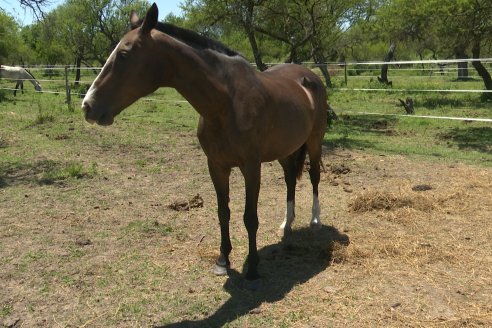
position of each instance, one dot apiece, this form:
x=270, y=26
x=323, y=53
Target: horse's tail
x=300, y=158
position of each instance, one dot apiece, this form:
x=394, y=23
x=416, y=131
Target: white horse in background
x=19, y=75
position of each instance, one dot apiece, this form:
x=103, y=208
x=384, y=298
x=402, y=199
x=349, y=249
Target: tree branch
x=35, y=6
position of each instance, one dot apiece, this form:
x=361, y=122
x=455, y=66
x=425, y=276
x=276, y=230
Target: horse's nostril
x=86, y=107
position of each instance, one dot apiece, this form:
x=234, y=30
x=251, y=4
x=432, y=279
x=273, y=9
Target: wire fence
x=412, y=77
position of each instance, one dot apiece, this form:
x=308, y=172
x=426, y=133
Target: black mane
x=194, y=39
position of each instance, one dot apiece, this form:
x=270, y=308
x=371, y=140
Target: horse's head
x=129, y=73
x=37, y=86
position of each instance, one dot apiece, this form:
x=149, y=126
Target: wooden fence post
x=67, y=89
x=346, y=82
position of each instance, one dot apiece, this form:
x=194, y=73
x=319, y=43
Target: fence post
x=346, y=82
x=67, y=89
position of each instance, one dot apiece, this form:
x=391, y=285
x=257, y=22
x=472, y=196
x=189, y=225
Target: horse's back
x=302, y=75
x=306, y=80
x=294, y=72
x=10, y=72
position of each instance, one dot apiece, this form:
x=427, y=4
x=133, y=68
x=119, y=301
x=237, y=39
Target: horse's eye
x=122, y=55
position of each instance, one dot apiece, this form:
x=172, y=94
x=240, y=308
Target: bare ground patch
x=106, y=250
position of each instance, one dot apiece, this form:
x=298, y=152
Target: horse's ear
x=134, y=20
x=150, y=20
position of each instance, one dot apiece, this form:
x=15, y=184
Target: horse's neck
x=201, y=78
x=25, y=75
x=31, y=79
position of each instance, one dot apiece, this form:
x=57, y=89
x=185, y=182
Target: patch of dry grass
x=384, y=200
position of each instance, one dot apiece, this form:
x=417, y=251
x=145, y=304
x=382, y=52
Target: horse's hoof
x=220, y=270
x=253, y=285
x=316, y=225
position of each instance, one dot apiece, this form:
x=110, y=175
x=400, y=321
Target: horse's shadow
x=297, y=258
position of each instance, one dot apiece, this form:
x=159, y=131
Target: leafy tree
x=10, y=41
x=35, y=5
x=469, y=30
x=361, y=41
x=218, y=16
x=445, y=28
x=302, y=30
x=82, y=31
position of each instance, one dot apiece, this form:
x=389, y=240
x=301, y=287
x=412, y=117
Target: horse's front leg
x=252, y=177
x=17, y=84
x=220, y=178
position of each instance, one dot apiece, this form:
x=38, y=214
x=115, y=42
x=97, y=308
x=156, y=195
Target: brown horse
x=246, y=117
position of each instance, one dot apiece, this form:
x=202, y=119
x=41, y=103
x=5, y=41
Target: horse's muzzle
x=92, y=116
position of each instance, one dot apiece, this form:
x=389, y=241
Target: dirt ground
x=405, y=242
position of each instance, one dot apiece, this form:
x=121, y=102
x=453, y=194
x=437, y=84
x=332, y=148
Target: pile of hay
x=388, y=201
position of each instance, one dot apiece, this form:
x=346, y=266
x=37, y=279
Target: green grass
x=5, y=310
x=42, y=122
x=40, y=116
x=147, y=227
x=444, y=140
x=386, y=132
x=70, y=170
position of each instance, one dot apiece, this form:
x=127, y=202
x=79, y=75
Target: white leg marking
x=315, y=221
x=289, y=218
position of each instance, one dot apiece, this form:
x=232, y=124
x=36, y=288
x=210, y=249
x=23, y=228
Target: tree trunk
x=256, y=53
x=320, y=60
x=293, y=57
x=78, y=62
x=462, y=66
x=482, y=71
x=384, y=69
x=250, y=32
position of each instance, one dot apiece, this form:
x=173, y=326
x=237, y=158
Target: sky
x=25, y=16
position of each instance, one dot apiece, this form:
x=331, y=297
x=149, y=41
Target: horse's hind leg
x=252, y=177
x=314, y=150
x=289, y=167
x=220, y=179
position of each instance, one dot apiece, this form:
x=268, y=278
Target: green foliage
x=10, y=41
x=84, y=29
x=455, y=25
x=267, y=31
x=276, y=30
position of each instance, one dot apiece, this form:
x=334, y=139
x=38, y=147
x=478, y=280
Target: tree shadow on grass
x=42, y=172
x=437, y=101
x=471, y=138
x=440, y=101
x=365, y=123
x=350, y=130
x=13, y=174
x=297, y=258
x=346, y=142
